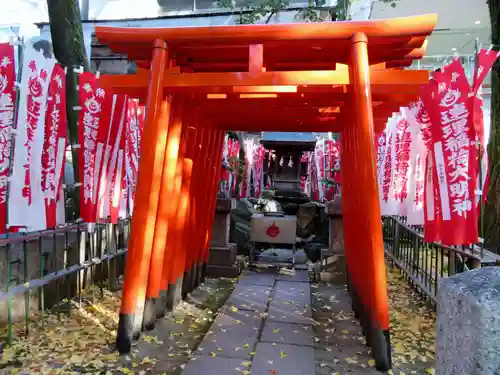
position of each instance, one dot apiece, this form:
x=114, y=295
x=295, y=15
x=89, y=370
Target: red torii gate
x=198, y=82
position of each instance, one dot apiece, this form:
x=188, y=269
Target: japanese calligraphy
x=7, y=100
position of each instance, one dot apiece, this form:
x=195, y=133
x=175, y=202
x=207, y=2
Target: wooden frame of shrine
x=198, y=82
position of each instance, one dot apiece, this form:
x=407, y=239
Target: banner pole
x=477, y=47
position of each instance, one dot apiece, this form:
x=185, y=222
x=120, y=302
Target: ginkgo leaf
x=146, y=360
x=213, y=354
x=251, y=354
x=276, y=330
x=350, y=360
x=246, y=363
x=246, y=346
x=282, y=354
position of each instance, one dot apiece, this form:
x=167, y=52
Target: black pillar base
x=197, y=276
x=191, y=281
x=185, y=284
x=125, y=334
x=203, y=272
x=169, y=301
x=149, y=319
x=160, y=306
x=174, y=295
x=178, y=291
x=200, y=275
x=381, y=349
x=377, y=339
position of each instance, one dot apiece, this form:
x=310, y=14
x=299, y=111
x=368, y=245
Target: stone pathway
x=265, y=328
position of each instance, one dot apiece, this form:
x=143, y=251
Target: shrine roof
x=297, y=46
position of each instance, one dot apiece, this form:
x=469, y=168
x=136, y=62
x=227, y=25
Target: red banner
x=7, y=107
x=91, y=99
x=485, y=61
x=118, y=160
x=432, y=216
x=454, y=155
x=132, y=149
x=103, y=154
x=55, y=118
x=402, y=145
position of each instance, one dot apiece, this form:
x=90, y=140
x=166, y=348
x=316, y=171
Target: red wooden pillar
x=166, y=209
x=176, y=225
x=147, y=197
x=193, y=221
x=362, y=214
x=201, y=215
x=216, y=163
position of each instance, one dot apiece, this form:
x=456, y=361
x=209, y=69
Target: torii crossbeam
x=198, y=82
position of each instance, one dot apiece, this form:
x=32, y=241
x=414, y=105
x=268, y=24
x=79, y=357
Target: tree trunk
x=492, y=208
x=69, y=49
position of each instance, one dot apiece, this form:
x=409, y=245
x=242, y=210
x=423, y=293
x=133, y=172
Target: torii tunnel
x=199, y=82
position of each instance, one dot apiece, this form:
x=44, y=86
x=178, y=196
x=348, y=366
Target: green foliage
x=236, y=164
x=254, y=11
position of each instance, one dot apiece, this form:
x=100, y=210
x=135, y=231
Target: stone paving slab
x=295, y=304
x=228, y=315
x=283, y=359
x=297, y=276
x=250, y=297
x=292, y=291
x=257, y=278
x=286, y=333
x=213, y=366
x=231, y=342
x=278, y=313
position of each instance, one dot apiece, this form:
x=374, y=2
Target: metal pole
x=477, y=46
x=84, y=11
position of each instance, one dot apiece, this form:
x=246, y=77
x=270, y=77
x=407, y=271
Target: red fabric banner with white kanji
x=54, y=143
x=484, y=62
x=7, y=108
x=117, y=162
x=103, y=153
x=91, y=99
x=132, y=150
x=455, y=156
x=26, y=197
